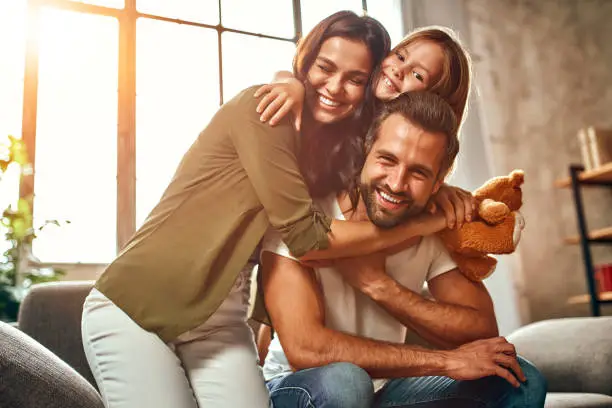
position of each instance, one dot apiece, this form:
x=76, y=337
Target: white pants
x=206, y=368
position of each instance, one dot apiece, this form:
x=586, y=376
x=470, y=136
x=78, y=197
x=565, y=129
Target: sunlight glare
x=199, y=11
x=272, y=17
x=76, y=141
x=12, y=63
x=118, y=4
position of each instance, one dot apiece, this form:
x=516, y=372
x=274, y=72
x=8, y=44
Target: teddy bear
x=495, y=229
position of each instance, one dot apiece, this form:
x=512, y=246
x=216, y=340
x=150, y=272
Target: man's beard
x=379, y=216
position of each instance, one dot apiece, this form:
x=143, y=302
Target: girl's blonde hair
x=454, y=83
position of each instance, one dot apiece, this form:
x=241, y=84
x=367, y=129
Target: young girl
x=166, y=325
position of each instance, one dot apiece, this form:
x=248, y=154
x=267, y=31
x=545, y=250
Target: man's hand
x=363, y=272
x=483, y=358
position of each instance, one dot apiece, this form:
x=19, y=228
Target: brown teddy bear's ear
x=517, y=177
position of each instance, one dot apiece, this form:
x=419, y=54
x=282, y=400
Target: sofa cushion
x=51, y=315
x=32, y=376
x=577, y=400
x=574, y=354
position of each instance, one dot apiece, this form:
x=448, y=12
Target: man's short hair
x=427, y=111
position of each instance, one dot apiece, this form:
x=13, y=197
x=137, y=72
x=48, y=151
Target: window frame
x=126, y=115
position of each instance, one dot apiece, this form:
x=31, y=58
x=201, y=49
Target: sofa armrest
x=51, y=314
x=31, y=376
x=574, y=354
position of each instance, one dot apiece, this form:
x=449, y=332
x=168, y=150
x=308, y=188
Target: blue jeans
x=344, y=385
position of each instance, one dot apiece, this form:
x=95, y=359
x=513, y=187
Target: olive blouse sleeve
x=269, y=156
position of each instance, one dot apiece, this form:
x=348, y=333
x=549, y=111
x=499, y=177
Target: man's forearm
x=380, y=359
x=442, y=324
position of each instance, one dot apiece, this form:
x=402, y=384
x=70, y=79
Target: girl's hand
x=457, y=204
x=281, y=98
x=423, y=225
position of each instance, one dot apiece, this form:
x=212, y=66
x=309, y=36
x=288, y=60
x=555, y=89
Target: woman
x=429, y=58
x=166, y=325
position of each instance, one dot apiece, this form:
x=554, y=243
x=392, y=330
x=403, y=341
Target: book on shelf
x=595, y=146
x=585, y=149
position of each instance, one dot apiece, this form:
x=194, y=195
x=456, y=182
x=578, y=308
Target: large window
x=109, y=94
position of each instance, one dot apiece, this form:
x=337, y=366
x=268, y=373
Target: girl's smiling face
x=417, y=66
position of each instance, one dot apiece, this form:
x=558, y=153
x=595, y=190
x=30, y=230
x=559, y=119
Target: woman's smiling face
x=337, y=80
x=417, y=66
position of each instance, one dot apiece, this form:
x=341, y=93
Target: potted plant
x=19, y=269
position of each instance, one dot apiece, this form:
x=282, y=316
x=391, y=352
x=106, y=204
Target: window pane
x=249, y=60
x=177, y=94
x=12, y=57
x=255, y=16
x=314, y=11
x=200, y=11
x=389, y=13
x=76, y=137
x=119, y=4
x=12, y=64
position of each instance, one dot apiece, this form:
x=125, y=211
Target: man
x=342, y=328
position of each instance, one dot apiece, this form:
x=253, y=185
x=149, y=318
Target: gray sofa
x=42, y=363
x=44, y=360
x=575, y=356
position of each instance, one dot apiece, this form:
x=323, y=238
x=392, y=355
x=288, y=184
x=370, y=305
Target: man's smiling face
x=401, y=171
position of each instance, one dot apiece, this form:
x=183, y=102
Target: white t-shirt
x=233, y=311
x=350, y=311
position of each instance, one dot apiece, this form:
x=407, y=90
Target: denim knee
x=347, y=385
x=338, y=385
x=535, y=387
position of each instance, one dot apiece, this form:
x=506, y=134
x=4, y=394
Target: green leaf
x=20, y=229
x=18, y=151
x=23, y=206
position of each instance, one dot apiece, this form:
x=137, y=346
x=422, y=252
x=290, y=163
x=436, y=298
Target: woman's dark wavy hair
x=330, y=158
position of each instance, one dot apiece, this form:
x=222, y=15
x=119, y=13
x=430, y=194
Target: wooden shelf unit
x=595, y=235
x=601, y=176
x=581, y=299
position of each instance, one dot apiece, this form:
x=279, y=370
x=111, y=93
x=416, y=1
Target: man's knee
x=335, y=385
x=347, y=385
x=348, y=373
x=535, y=387
x=343, y=385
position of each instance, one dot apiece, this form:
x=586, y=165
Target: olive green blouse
x=239, y=177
